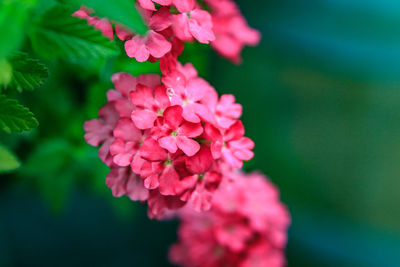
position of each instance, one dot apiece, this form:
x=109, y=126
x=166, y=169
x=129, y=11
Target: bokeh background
x=321, y=98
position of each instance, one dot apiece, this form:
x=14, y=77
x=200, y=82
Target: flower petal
x=168, y=180
x=136, y=48
x=143, y=119
x=169, y=143
x=187, y=145
x=184, y=5
x=126, y=130
x=190, y=129
x=157, y=45
x=151, y=182
x=135, y=189
x=161, y=97
x=201, y=162
x=200, y=26
x=161, y=19
x=151, y=150
x=173, y=117
x=124, y=82
x=236, y=131
x=142, y=96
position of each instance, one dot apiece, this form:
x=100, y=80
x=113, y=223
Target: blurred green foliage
x=321, y=100
x=8, y=161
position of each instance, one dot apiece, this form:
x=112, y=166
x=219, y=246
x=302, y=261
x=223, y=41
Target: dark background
x=321, y=100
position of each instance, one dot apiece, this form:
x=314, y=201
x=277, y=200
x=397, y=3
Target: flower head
x=227, y=234
x=163, y=131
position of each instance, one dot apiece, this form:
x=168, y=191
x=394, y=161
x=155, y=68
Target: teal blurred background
x=321, y=100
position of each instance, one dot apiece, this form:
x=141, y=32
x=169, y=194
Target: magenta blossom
x=231, y=30
x=149, y=105
x=174, y=132
x=196, y=24
x=186, y=89
x=123, y=182
x=152, y=43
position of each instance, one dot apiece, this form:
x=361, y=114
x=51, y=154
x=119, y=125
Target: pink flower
x=194, y=23
x=174, y=132
x=236, y=148
x=231, y=30
x=230, y=144
x=232, y=34
x=160, y=169
x=159, y=205
x=187, y=90
x=124, y=84
x=199, y=187
x=153, y=43
x=123, y=182
x=127, y=142
x=234, y=234
x=225, y=234
x=99, y=131
x=226, y=111
x=141, y=47
x=149, y=105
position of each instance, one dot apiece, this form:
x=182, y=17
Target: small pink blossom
x=141, y=47
x=152, y=43
x=199, y=186
x=174, y=132
x=123, y=182
x=231, y=30
x=188, y=90
x=150, y=104
x=99, y=131
x=196, y=23
x=124, y=84
x=230, y=144
x=127, y=142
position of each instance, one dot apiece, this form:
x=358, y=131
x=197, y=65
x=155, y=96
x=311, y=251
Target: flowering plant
x=168, y=138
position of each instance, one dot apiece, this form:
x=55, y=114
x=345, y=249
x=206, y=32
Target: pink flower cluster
x=246, y=227
x=171, y=141
x=168, y=140
x=172, y=22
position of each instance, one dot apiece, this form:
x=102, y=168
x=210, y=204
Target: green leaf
x=27, y=73
x=13, y=17
x=56, y=34
x=15, y=117
x=8, y=161
x=5, y=73
x=121, y=11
